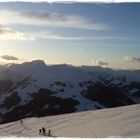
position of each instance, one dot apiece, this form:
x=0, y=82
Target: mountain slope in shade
x=35, y=89
x=115, y=122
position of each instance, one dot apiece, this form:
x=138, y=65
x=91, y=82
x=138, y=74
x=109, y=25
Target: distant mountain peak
x=36, y=62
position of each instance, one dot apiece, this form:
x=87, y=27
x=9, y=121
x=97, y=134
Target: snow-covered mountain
x=105, y=123
x=36, y=89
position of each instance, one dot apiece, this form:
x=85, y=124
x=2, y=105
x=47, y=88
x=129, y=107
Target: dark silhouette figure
x=20, y=121
x=40, y=132
x=43, y=131
x=49, y=132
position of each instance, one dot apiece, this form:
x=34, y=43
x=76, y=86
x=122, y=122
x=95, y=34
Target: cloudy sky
x=107, y=35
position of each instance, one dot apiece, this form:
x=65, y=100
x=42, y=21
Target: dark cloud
x=102, y=63
x=132, y=59
x=43, y=15
x=9, y=57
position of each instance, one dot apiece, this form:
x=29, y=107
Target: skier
x=49, y=132
x=40, y=132
x=43, y=131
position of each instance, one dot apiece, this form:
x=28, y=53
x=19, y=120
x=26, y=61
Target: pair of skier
x=43, y=132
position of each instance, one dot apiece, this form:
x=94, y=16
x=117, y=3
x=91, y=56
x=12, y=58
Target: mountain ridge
x=59, y=89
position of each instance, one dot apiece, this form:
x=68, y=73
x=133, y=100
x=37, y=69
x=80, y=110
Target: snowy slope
x=115, y=122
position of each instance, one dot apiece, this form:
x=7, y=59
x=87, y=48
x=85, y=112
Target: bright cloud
x=132, y=59
x=57, y=37
x=9, y=34
x=99, y=62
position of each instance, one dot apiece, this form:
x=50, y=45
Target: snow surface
x=114, y=122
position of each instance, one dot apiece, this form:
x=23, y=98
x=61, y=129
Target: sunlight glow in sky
x=79, y=34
